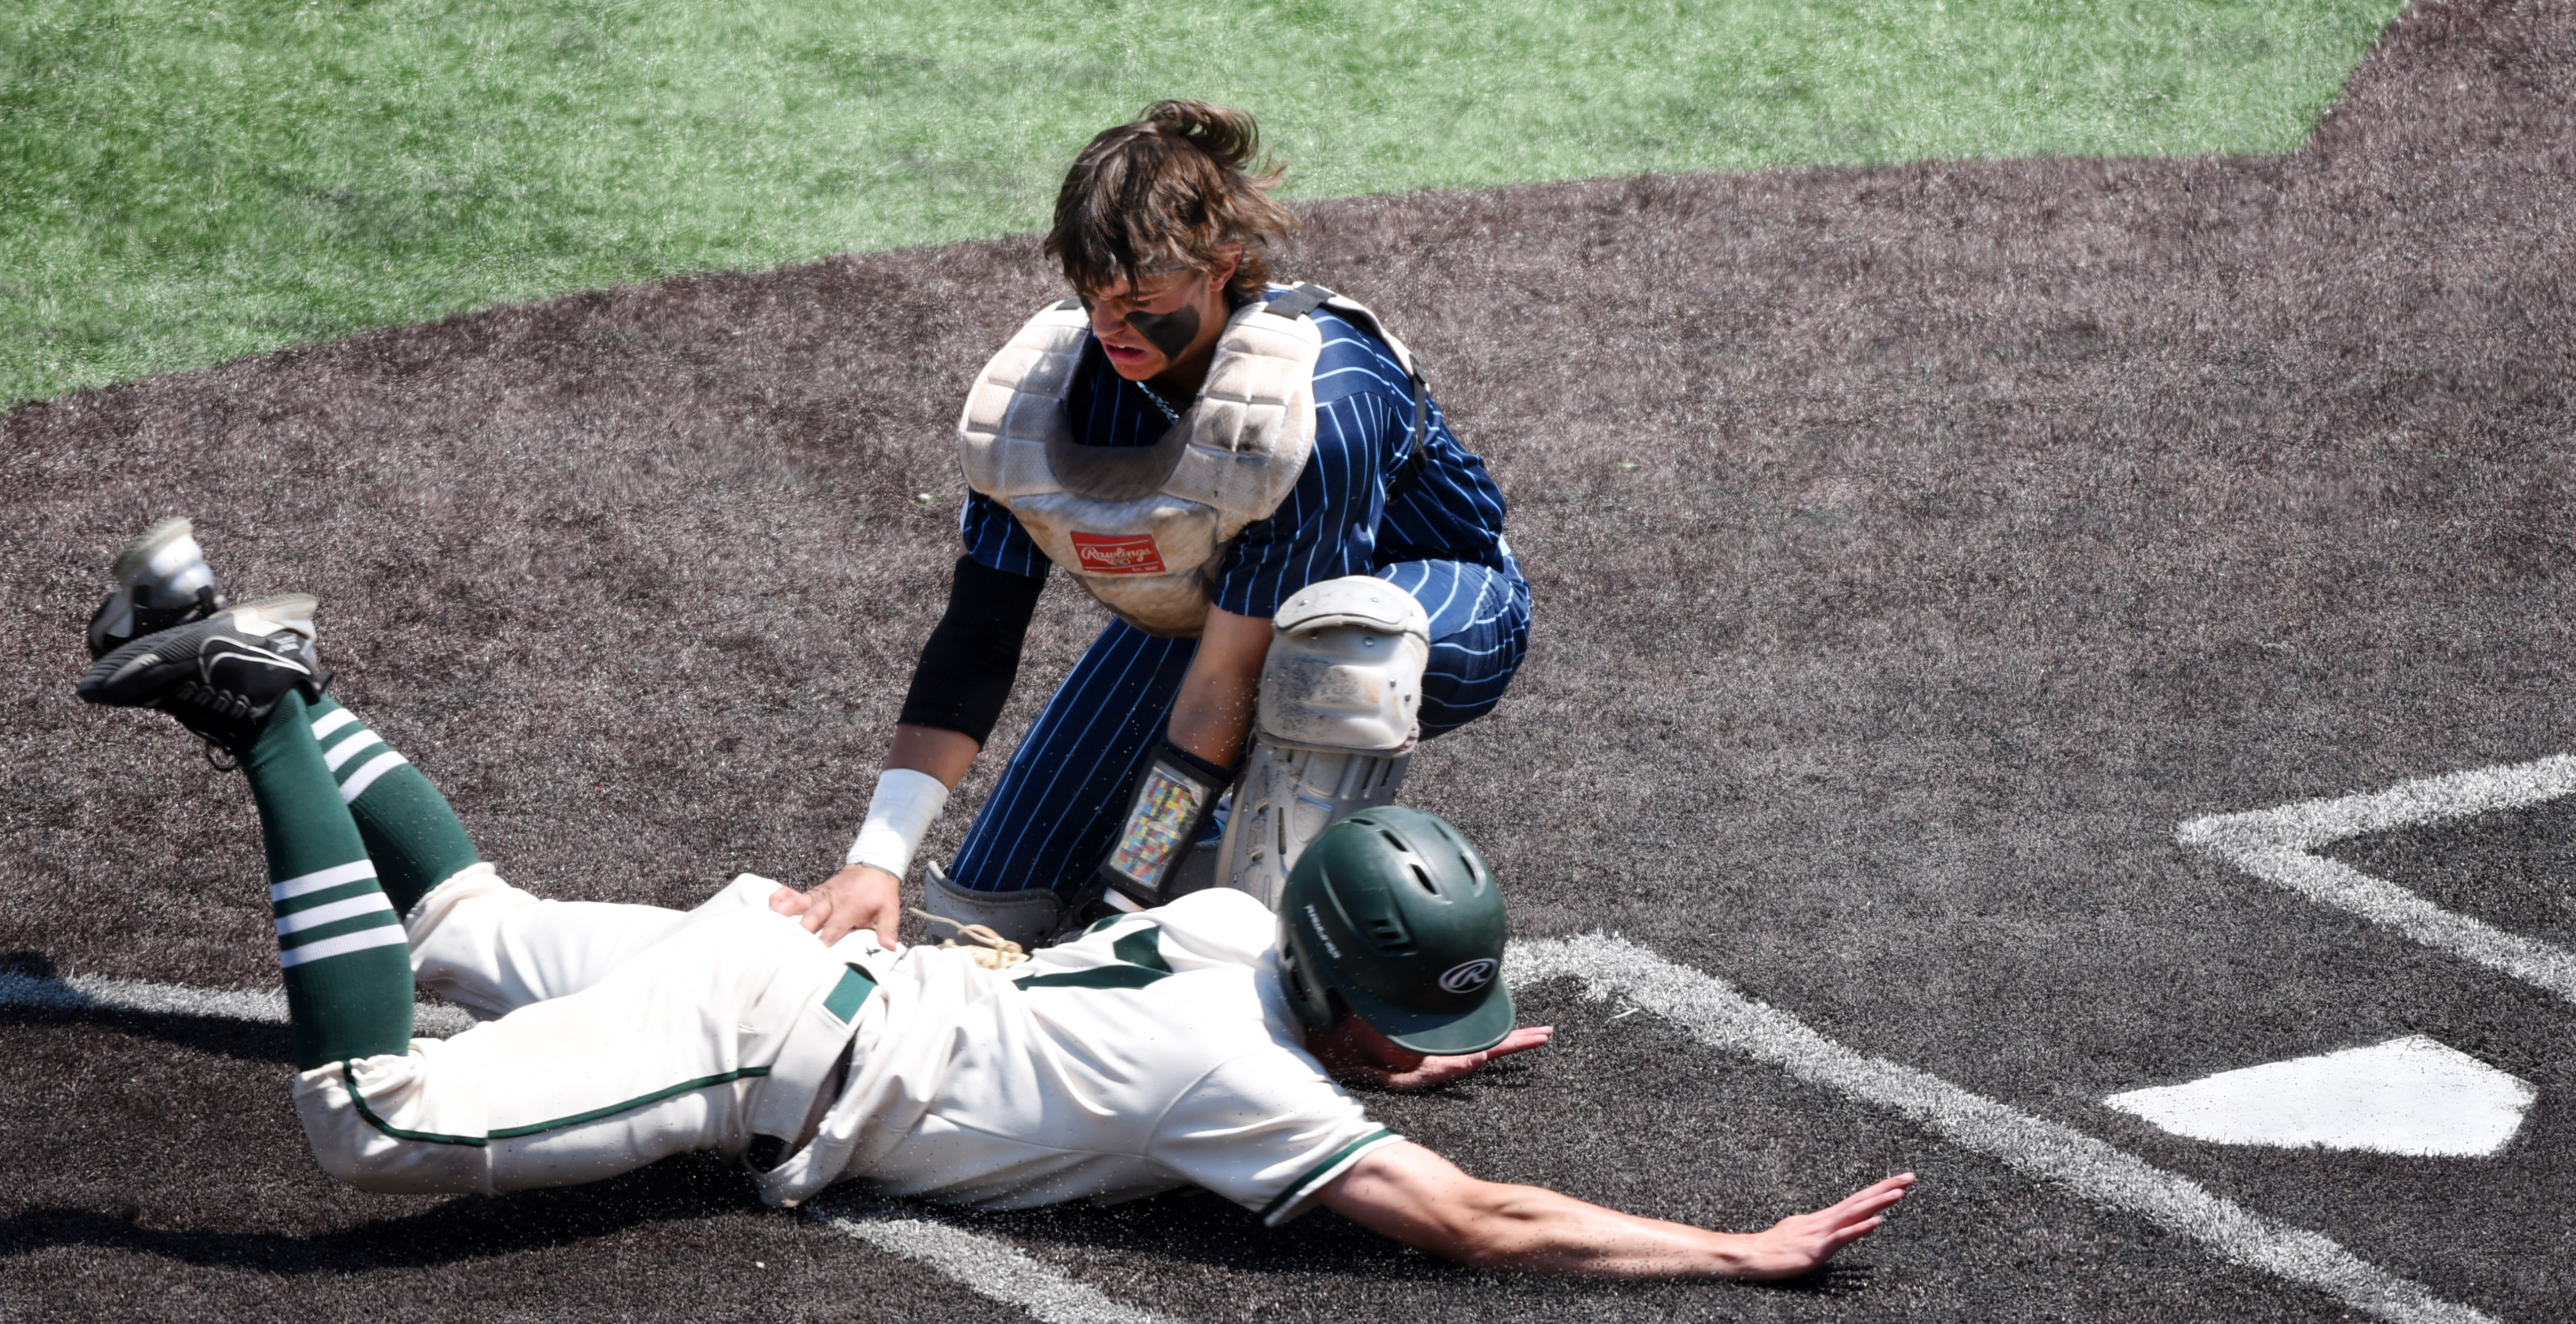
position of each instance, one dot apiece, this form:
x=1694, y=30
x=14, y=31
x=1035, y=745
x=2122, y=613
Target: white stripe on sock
x=348, y=749
x=365, y=777
x=337, y=910
x=316, y=881
x=390, y=935
x=333, y=722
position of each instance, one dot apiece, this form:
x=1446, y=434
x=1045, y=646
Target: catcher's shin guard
x=1340, y=695
x=162, y=581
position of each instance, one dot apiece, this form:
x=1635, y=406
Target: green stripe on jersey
x=1140, y=964
x=1143, y=947
x=1320, y=1170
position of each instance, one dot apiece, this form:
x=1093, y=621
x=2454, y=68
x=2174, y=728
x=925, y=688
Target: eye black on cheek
x=1169, y=332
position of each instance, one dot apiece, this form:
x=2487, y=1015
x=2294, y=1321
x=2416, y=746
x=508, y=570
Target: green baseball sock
x=340, y=945
x=409, y=830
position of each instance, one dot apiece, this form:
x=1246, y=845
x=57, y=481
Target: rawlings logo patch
x=1117, y=554
x=1467, y=976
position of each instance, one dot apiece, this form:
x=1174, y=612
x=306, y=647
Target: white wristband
x=899, y=815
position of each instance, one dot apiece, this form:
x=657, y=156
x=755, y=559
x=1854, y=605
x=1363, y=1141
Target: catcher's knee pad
x=1341, y=693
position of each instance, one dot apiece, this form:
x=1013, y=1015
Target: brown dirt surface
x=1914, y=548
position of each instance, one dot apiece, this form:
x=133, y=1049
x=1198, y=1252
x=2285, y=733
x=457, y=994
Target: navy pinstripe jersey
x=1336, y=521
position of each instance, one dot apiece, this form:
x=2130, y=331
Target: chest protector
x=1145, y=528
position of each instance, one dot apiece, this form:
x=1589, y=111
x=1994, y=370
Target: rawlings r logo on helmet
x=1467, y=976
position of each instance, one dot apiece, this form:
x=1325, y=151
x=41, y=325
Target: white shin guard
x=1286, y=799
x=1340, y=695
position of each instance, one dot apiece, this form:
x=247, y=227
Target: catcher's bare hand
x=860, y=896
x=1801, y=1243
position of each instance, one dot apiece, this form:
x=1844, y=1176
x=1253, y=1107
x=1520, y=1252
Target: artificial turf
x=1978, y=525
x=188, y=184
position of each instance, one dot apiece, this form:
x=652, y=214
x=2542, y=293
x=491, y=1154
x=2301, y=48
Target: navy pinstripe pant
x=1048, y=822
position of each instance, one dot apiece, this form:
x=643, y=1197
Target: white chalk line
x=985, y=1265
x=2279, y=846
x=1708, y=1007
x=1716, y=1014
x=265, y=1006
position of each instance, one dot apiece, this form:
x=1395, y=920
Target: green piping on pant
x=349, y=1079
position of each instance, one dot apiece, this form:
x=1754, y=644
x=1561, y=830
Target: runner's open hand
x=1802, y=1243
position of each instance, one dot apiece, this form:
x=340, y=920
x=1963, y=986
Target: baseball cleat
x=162, y=581
x=222, y=676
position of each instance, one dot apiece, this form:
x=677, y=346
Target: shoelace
x=993, y=952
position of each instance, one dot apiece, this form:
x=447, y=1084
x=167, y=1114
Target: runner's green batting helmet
x=1392, y=914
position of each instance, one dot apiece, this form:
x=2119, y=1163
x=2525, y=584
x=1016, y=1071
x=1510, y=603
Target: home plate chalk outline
x=1706, y=1006
x=2280, y=845
x=1717, y=1015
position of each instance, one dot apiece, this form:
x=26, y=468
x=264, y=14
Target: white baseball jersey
x=1156, y=1051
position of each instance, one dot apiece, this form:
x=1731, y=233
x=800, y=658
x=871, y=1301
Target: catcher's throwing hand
x=860, y=896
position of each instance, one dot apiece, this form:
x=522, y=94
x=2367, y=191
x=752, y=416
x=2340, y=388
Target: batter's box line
x=2280, y=845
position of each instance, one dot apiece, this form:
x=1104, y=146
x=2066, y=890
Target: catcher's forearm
x=945, y=755
x=964, y=676
x=1212, y=714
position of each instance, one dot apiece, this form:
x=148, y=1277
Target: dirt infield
x=1913, y=548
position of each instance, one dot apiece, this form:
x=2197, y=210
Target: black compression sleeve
x=965, y=673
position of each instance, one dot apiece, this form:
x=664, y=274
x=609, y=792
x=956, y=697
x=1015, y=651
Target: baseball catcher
x=1189, y=1043
x=1306, y=569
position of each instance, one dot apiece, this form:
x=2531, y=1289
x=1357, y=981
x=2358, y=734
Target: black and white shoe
x=222, y=676
x=162, y=582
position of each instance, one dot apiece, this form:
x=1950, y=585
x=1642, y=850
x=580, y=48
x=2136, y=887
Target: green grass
x=188, y=183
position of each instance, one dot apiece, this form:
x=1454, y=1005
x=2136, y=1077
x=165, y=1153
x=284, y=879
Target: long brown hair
x=1170, y=190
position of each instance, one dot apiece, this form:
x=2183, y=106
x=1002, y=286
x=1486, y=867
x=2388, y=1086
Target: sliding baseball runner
x=1195, y=1043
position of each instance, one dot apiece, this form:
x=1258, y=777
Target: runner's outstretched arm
x=1414, y=1196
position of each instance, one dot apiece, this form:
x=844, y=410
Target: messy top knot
x=1167, y=192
